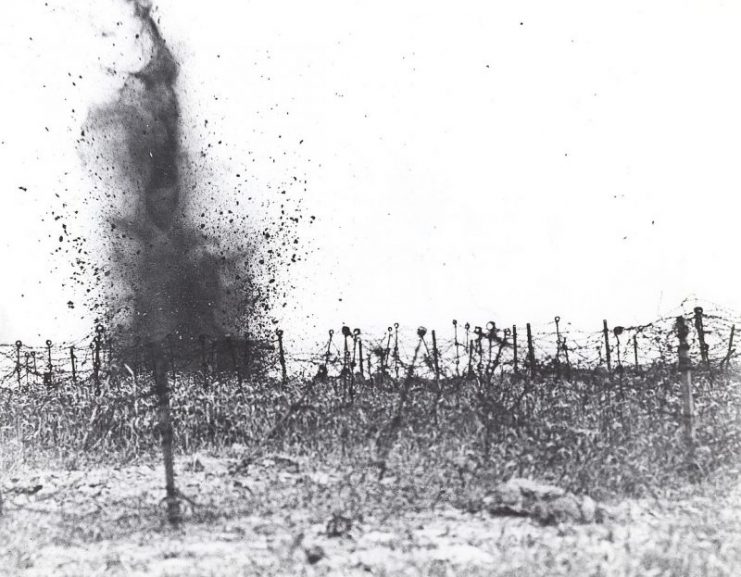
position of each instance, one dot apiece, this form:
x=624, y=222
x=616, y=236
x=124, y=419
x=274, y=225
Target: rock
x=314, y=554
x=519, y=496
x=32, y=490
x=560, y=510
x=338, y=526
x=548, y=504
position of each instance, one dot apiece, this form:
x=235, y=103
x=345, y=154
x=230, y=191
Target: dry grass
x=268, y=466
x=590, y=434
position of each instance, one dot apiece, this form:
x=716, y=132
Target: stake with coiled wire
x=282, y=357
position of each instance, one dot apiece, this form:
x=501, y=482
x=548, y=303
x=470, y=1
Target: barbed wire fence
x=616, y=381
x=466, y=350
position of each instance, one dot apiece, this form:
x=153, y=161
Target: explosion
x=172, y=278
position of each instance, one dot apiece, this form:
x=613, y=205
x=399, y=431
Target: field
x=344, y=475
x=273, y=518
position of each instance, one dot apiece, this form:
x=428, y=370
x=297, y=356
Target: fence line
x=555, y=348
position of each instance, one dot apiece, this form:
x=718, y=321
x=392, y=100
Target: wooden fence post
x=18, y=345
x=557, y=360
x=387, y=351
x=565, y=347
x=606, y=333
x=162, y=392
x=730, y=347
x=467, y=326
x=28, y=370
x=479, y=349
x=469, y=370
x=617, y=331
x=686, y=385
x=435, y=358
x=72, y=359
x=346, y=369
x=457, y=352
x=635, y=349
x=436, y=366
x=530, y=351
x=35, y=369
x=282, y=357
x=323, y=372
x=48, y=374
x=397, y=360
x=491, y=335
x=360, y=354
x=699, y=326
x=346, y=351
x=353, y=365
x=514, y=347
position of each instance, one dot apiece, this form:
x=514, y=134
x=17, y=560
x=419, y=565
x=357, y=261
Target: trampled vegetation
x=592, y=433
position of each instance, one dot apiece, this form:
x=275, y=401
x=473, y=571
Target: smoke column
x=172, y=281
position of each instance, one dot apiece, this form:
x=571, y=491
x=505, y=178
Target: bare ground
x=272, y=519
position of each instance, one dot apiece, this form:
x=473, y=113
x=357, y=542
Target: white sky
x=478, y=160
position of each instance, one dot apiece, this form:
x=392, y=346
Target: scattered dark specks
x=210, y=304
